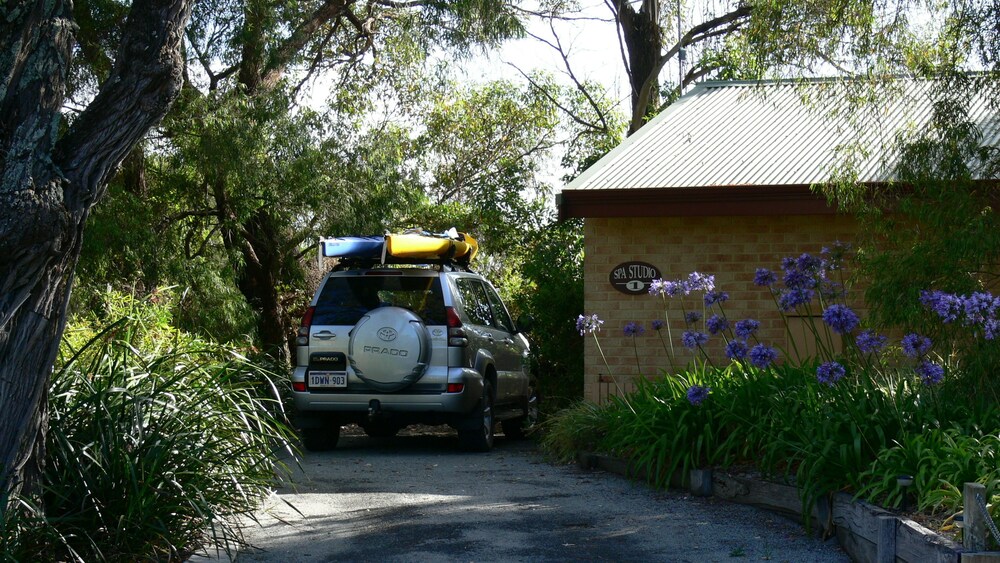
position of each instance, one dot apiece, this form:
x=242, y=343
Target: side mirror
x=525, y=323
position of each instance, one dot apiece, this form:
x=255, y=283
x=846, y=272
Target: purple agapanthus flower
x=634, y=329
x=692, y=339
x=736, y=350
x=764, y=277
x=763, y=356
x=830, y=373
x=801, y=272
x=945, y=305
x=697, y=394
x=700, y=282
x=915, y=345
x=716, y=324
x=833, y=258
x=869, y=341
x=591, y=324
x=991, y=328
x=746, y=327
x=832, y=290
x=692, y=317
x=798, y=279
x=713, y=297
x=808, y=263
x=979, y=307
x=792, y=298
x=657, y=324
x=841, y=318
x=930, y=373
x=664, y=287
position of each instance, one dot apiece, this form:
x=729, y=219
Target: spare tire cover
x=389, y=348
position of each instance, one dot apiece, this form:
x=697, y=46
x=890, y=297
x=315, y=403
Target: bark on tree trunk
x=643, y=39
x=48, y=187
x=259, y=268
x=259, y=282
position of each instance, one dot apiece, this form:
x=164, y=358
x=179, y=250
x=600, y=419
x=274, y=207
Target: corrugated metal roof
x=775, y=133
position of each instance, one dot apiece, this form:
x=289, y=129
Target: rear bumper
x=396, y=402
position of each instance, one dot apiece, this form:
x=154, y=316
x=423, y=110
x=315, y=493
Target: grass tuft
x=158, y=441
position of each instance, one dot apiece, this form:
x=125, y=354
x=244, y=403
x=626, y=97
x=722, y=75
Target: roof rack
x=443, y=264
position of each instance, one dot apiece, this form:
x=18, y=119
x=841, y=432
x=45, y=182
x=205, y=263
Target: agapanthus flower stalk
x=592, y=324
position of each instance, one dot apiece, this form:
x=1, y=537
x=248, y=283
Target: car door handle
x=324, y=335
x=488, y=336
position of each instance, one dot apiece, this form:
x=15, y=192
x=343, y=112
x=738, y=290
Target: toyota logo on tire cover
x=387, y=334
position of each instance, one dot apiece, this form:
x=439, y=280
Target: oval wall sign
x=633, y=278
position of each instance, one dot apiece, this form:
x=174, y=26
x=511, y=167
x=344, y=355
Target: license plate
x=319, y=379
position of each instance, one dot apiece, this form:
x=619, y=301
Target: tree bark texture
x=643, y=38
x=48, y=185
x=263, y=270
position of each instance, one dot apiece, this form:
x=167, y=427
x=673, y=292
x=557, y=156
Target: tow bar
x=374, y=409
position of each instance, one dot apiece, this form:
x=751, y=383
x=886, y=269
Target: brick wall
x=731, y=248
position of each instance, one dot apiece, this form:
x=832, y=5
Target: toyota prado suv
x=385, y=346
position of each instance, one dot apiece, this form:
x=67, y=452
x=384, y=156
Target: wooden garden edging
x=867, y=533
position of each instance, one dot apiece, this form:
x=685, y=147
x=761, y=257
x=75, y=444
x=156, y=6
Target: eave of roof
x=693, y=202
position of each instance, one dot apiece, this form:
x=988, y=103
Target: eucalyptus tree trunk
x=643, y=38
x=51, y=176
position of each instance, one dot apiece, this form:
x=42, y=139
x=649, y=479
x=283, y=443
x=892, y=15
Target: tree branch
x=136, y=96
x=732, y=20
x=282, y=56
x=613, y=6
x=175, y=217
x=576, y=118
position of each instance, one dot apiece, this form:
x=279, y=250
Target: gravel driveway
x=416, y=497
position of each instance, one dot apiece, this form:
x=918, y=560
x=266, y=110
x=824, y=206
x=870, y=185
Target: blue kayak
x=352, y=247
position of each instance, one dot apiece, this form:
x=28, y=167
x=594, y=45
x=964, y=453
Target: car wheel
x=519, y=428
x=320, y=439
x=477, y=433
x=380, y=429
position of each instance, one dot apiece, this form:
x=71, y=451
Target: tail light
x=456, y=334
x=302, y=337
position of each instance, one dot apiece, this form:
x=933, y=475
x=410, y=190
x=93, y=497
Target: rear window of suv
x=344, y=300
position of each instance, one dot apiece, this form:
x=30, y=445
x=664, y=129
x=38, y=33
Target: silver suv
x=389, y=346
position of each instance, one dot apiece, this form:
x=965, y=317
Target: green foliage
x=940, y=461
x=595, y=126
x=155, y=438
x=553, y=295
x=463, y=23
x=879, y=38
x=577, y=428
x=910, y=240
x=483, y=148
x=132, y=247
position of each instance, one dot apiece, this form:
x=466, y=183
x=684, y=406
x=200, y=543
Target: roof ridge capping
x=712, y=83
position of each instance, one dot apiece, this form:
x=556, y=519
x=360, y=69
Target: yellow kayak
x=423, y=245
